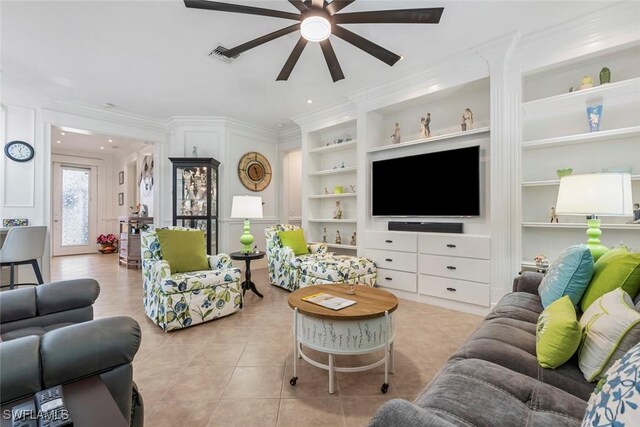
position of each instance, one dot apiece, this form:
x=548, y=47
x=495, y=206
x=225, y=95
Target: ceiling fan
x=318, y=19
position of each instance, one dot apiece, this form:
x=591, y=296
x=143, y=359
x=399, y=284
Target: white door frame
x=56, y=193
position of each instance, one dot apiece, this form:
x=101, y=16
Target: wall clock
x=19, y=151
x=254, y=171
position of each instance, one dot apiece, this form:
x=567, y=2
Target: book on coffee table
x=329, y=301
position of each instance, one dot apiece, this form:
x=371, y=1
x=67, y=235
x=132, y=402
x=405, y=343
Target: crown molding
x=329, y=116
x=289, y=134
x=220, y=122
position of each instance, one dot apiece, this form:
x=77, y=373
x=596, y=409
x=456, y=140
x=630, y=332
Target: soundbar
x=432, y=227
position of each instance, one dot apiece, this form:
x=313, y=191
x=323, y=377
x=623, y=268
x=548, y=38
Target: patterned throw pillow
x=611, y=327
x=569, y=274
x=558, y=334
x=616, y=399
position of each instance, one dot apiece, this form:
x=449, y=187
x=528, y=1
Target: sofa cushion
x=34, y=330
x=184, y=250
x=518, y=305
x=558, y=333
x=611, y=327
x=616, y=400
x=511, y=343
x=17, y=304
x=336, y=268
x=617, y=268
x=480, y=393
x=569, y=274
x=184, y=282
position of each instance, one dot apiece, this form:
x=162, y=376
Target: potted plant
x=107, y=244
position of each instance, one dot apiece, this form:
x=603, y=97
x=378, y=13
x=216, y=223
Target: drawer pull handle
x=451, y=289
x=388, y=278
x=389, y=241
x=388, y=260
x=451, y=245
x=450, y=267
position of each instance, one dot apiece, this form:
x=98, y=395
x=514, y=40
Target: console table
x=129, y=252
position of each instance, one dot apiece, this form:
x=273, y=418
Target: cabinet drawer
x=453, y=289
x=397, y=280
x=455, y=268
x=392, y=260
x=407, y=242
x=455, y=245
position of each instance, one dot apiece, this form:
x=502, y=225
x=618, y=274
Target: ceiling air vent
x=217, y=53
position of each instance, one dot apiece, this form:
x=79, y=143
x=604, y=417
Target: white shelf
x=334, y=171
x=335, y=147
x=582, y=226
x=552, y=104
x=343, y=221
x=431, y=139
x=553, y=182
x=331, y=196
x=583, y=138
x=336, y=246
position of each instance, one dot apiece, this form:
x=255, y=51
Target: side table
x=247, y=258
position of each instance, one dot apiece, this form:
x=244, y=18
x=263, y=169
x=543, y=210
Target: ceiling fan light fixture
x=315, y=28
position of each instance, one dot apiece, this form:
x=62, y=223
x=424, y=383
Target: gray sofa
x=494, y=378
x=49, y=338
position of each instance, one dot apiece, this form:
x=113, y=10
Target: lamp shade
x=607, y=194
x=246, y=207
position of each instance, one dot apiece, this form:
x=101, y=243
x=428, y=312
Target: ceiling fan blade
x=337, y=5
x=299, y=4
x=332, y=60
x=292, y=60
x=317, y=3
x=402, y=16
x=237, y=8
x=260, y=40
x=370, y=47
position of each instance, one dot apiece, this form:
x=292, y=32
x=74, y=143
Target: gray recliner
x=49, y=338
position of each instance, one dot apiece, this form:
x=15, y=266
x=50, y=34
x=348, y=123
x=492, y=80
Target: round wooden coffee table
x=364, y=327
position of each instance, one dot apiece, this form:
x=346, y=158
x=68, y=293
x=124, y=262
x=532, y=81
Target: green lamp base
x=593, y=242
x=246, y=239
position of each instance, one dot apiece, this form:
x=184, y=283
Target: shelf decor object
x=607, y=194
x=594, y=114
x=246, y=207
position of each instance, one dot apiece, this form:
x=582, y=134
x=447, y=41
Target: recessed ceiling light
x=102, y=148
x=62, y=133
x=59, y=142
x=74, y=130
x=111, y=140
x=309, y=101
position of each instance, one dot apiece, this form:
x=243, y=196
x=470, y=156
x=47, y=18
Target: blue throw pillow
x=569, y=274
x=616, y=399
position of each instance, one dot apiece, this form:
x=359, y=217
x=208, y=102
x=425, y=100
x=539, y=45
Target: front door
x=74, y=209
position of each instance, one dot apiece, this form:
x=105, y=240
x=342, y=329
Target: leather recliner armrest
x=19, y=367
x=66, y=295
x=88, y=348
x=17, y=305
x=527, y=281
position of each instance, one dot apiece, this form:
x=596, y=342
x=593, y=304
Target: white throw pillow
x=611, y=326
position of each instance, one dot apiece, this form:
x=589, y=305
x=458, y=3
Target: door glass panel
x=75, y=207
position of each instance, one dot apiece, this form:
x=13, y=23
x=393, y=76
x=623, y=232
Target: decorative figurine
x=586, y=82
x=541, y=261
x=194, y=152
x=337, y=214
x=605, y=75
x=395, y=138
x=324, y=234
x=554, y=216
x=342, y=167
x=348, y=138
x=326, y=191
x=423, y=128
x=427, y=124
x=353, y=239
x=467, y=120
x=338, y=238
x=594, y=114
x=636, y=214
x=352, y=188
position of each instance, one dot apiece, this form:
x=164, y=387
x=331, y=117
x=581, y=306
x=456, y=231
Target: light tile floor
x=235, y=371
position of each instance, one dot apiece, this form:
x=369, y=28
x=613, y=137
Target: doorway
x=74, y=209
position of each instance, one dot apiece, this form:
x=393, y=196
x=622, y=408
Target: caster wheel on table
x=293, y=381
x=384, y=388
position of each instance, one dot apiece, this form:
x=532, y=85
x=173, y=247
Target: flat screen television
x=442, y=183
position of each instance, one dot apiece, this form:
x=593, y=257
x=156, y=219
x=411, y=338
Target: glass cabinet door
x=191, y=189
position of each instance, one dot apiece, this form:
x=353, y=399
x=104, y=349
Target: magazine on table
x=329, y=301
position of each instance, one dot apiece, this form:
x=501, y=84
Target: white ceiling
x=82, y=143
x=151, y=57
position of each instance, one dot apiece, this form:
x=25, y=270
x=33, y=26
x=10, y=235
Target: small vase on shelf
x=594, y=115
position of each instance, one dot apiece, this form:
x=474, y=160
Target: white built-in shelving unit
x=556, y=136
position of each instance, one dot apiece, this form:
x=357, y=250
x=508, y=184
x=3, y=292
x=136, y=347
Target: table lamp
x=246, y=207
x=607, y=194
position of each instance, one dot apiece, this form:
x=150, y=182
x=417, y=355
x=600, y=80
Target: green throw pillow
x=295, y=240
x=558, y=333
x=617, y=268
x=183, y=250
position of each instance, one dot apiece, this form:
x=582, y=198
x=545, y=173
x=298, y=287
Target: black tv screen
x=443, y=183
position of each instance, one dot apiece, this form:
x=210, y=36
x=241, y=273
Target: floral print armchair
x=316, y=268
x=179, y=300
